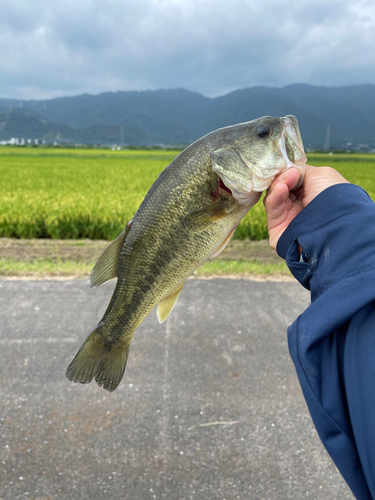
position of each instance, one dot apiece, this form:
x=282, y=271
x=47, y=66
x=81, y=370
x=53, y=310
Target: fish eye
x=263, y=131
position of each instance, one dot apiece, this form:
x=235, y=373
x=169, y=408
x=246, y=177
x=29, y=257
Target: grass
x=241, y=268
x=87, y=193
x=357, y=169
x=47, y=258
x=57, y=268
x=44, y=268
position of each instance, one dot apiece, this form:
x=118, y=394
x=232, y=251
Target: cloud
x=69, y=47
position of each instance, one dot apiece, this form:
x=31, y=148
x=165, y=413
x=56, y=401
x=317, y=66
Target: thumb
x=278, y=199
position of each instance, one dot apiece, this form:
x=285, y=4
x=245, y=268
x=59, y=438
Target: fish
x=189, y=215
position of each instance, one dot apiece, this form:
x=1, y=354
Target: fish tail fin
x=97, y=358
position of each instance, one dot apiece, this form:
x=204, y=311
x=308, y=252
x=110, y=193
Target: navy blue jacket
x=332, y=343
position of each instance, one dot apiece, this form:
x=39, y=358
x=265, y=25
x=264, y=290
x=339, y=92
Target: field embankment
x=62, y=259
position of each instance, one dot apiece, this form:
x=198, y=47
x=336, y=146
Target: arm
x=332, y=343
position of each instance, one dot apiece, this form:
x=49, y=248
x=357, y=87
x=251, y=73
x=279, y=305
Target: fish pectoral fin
x=223, y=244
x=232, y=170
x=204, y=217
x=105, y=269
x=166, y=305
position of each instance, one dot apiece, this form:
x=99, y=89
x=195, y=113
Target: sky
x=50, y=49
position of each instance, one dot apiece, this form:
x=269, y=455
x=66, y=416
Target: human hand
x=282, y=205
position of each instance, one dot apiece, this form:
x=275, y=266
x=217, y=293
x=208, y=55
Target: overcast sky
x=50, y=49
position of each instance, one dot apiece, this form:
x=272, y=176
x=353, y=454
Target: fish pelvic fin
x=97, y=358
x=223, y=244
x=166, y=305
x=105, y=269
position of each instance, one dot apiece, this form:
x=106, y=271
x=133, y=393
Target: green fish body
x=188, y=216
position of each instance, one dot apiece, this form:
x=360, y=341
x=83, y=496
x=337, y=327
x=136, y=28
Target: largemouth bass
x=189, y=215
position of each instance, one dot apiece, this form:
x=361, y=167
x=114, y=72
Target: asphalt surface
x=221, y=357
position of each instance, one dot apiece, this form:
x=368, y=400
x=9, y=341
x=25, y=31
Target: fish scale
x=189, y=214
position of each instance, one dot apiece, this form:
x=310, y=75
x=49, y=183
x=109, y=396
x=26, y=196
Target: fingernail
x=284, y=175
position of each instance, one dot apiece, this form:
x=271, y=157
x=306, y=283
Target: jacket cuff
x=336, y=231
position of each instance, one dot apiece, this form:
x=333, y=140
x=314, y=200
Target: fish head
x=247, y=157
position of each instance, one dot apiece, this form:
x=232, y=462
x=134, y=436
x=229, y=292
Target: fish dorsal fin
x=166, y=305
x=163, y=171
x=105, y=269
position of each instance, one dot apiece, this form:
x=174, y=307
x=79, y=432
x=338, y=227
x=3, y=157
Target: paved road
x=220, y=357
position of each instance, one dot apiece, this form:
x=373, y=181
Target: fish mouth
x=290, y=143
x=291, y=147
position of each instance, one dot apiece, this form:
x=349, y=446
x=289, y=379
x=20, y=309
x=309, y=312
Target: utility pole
x=326, y=142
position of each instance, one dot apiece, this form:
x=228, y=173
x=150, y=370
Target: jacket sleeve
x=332, y=343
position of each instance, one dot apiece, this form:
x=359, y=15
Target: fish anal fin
x=105, y=269
x=222, y=245
x=166, y=305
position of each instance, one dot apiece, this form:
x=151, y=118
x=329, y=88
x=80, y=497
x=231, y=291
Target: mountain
x=21, y=122
x=329, y=117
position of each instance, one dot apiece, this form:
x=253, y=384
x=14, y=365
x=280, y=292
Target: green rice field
x=90, y=193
